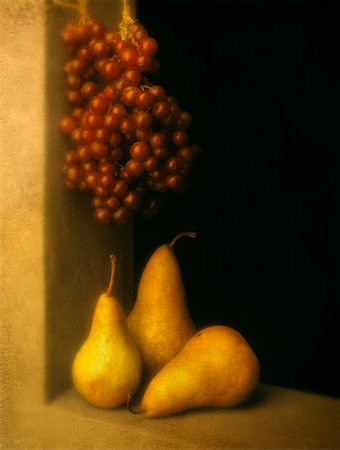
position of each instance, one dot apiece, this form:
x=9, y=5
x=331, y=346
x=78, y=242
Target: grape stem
x=126, y=21
x=112, y=275
x=191, y=234
x=80, y=6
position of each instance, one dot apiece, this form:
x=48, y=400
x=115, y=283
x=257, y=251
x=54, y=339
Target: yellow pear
x=216, y=367
x=159, y=322
x=107, y=369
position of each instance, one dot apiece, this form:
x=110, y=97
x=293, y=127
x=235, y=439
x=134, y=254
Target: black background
x=260, y=80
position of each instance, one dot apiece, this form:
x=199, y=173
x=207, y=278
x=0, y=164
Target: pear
x=159, y=322
x=216, y=367
x=107, y=369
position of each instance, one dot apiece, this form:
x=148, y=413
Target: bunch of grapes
x=129, y=138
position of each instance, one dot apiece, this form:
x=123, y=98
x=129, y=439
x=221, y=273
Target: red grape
x=67, y=124
x=132, y=200
x=112, y=202
x=134, y=168
x=139, y=151
x=120, y=188
x=148, y=46
x=120, y=215
x=102, y=215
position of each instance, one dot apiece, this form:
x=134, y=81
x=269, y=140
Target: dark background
x=260, y=81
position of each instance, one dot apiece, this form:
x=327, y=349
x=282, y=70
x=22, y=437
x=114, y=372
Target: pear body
x=107, y=368
x=159, y=322
x=216, y=367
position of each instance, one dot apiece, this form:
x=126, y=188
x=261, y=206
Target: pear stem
x=191, y=234
x=112, y=275
x=134, y=409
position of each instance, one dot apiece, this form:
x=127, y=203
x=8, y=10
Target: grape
x=160, y=152
x=169, y=122
x=67, y=124
x=132, y=200
x=132, y=75
x=143, y=135
x=84, y=53
x=111, y=36
x=120, y=188
x=102, y=135
x=139, y=32
x=91, y=179
x=101, y=191
x=105, y=167
x=184, y=120
x=112, y=202
x=89, y=89
x=99, y=103
x=139, y=151
x=76, y=136
x=143, y=120
x=78, y=113
x=110, y=70
x=174, y=181
x=89, y=166
x=74, y=174
x=99, y=150
x=129, y=95
x=174, y=109
x=110, y=92
x=186, y=153
x=179, y=138
x=134, y=168
x=158, y=140
x=96, y=201
x=127, y=125
x=150, y=164
x=68, y=35
x=97, y=29
x=119, y=45
x=148, y=46
x=117, y=154
x=111, y=121
x=70, y=157
x=74, y=96
x=77, y=66
x=102, y=215
x=116, y=138
x=145, y=100
x=120, y=215
x=83, y=153
x=124, y=175
x=128, y=57
x=144, y=63
x=73, y=81
x=106, y=180
x=160, y=109
x=119, y=110
x=99, y=48
x=88, y=136
x=173, y=165
x=158, y=92
x=93, y=121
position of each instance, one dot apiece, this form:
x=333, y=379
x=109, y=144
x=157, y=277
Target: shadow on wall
x=77, y=249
